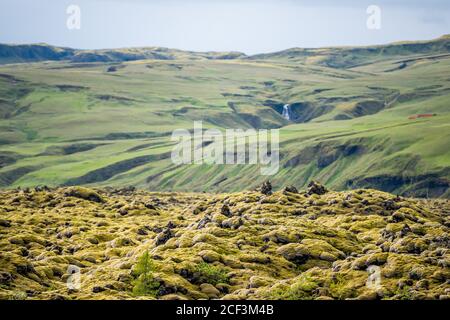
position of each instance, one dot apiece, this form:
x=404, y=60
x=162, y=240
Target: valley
x=105, y=118
x=92, y=206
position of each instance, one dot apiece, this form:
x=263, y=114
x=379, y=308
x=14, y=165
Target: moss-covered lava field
x=286, y=244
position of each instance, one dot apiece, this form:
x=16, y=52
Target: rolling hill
x=104, y=117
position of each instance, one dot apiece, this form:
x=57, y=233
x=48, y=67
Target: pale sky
x=250, y=26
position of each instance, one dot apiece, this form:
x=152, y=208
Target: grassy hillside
x=350, y=57
x=107, y=121
x=44, y=52
x=312, y=244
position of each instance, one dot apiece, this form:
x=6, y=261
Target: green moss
x=301, y=289
x=403, y=293
x=274, y=255
x=208, y=273
x=341, y=288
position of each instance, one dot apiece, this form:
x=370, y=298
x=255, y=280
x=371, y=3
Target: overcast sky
x=250, y=26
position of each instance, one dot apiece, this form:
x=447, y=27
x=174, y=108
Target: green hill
x=44, y=52
x=104, y=117
x=350, y=57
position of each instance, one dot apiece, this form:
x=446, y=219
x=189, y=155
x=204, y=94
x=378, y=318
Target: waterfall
x=287, y=112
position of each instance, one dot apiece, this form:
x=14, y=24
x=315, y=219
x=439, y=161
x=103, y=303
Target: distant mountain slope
x=33, y=53
x=347, y=57
x=43, y=52
x=335, y=57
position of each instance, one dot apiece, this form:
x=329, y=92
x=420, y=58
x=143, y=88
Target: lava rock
x=209, y=256
x=164, y=236
x=5, y=278
x=290, y=189
x=5, y=223
x=84, y=193
x=266, y=188
x=209, y=290
x=97, y=289
x=203, y=222
x=294, y=252
x=142, y=232
x=316, y=188
x=225, y=210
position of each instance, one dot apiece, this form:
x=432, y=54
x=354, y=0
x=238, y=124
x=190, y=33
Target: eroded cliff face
x=289, y=244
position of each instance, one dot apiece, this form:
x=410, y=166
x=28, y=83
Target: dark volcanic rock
x=225, y=210
x=316, y=188
x=266, y=188
x=290, y=189
x=164, y=236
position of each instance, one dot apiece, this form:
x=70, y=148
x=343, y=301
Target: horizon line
x=443, y=36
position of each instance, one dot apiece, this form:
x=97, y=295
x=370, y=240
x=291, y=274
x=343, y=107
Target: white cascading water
x=286, y=112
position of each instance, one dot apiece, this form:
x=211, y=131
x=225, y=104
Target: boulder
x=225, y=210
x=290, y=189
x=98, y=289
x=209, y=256
x=294, y=252
x=209, y=290
x=266, y=188
x=5, y=223
x=164, y=236
x=84, y=193
x=232, y=223
x=316, y=188
x=299, y=253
